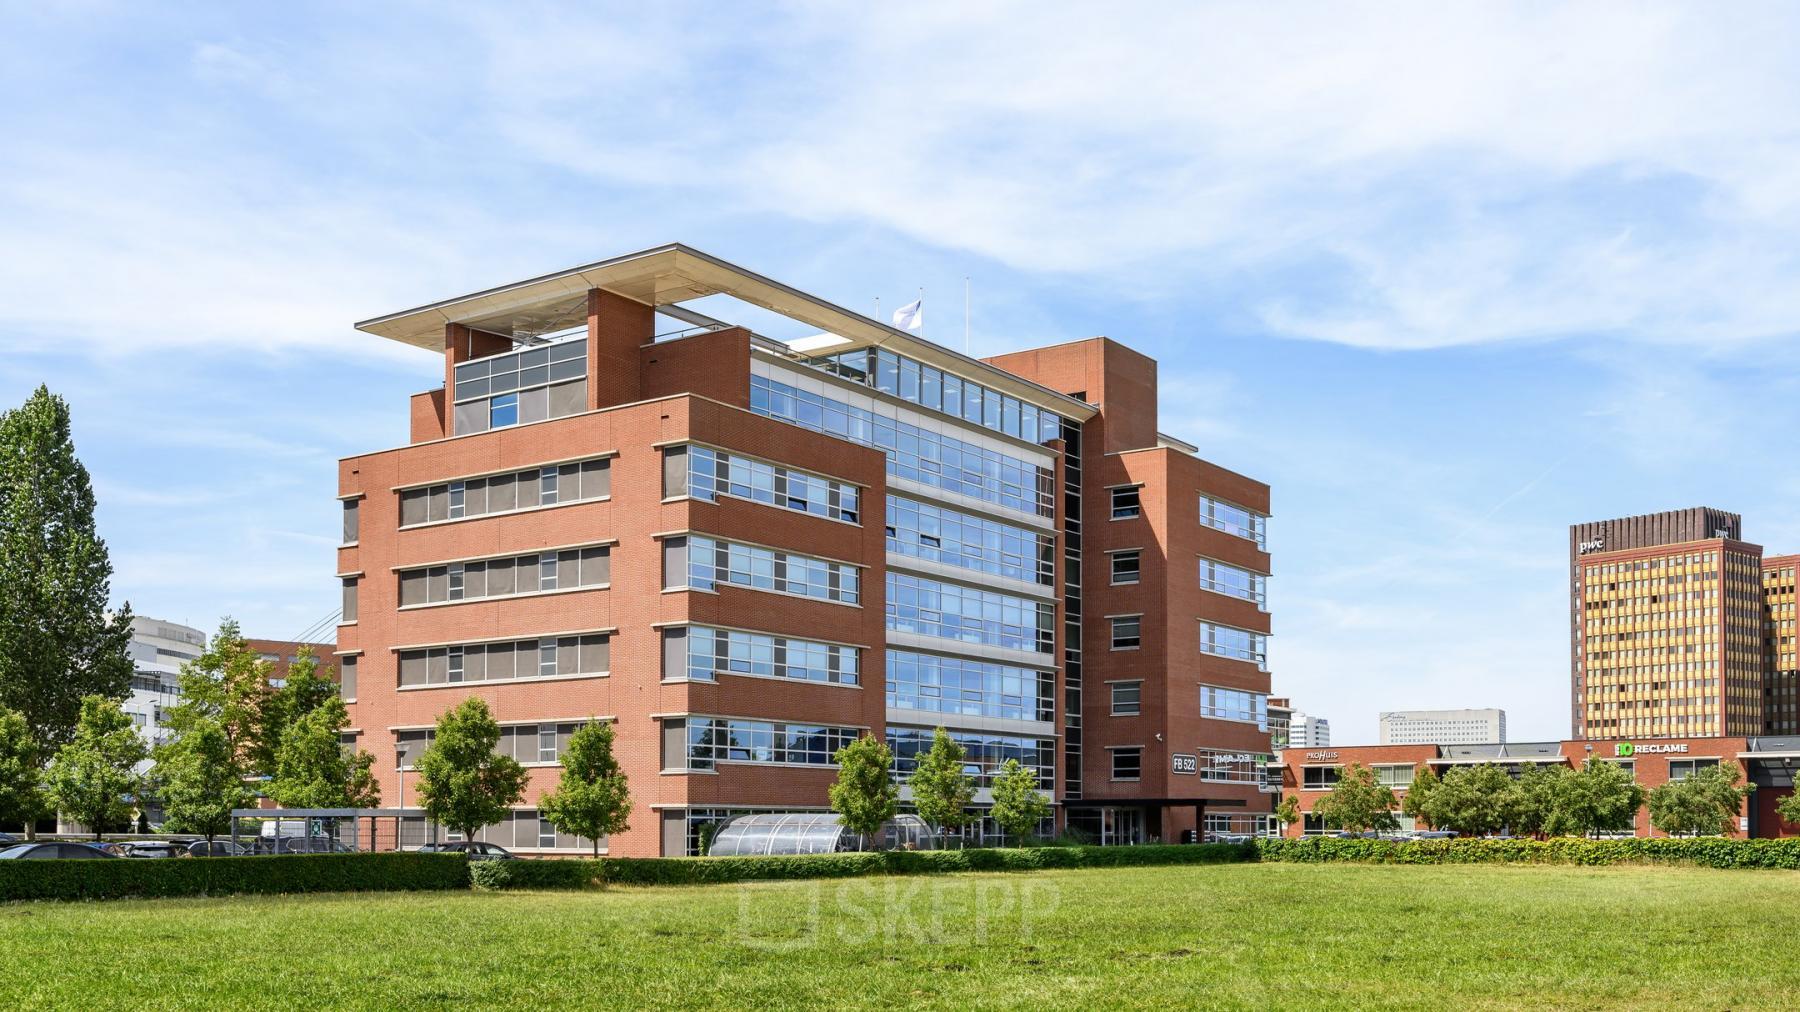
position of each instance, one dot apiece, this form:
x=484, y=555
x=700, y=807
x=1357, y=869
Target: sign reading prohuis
x=1627, y=748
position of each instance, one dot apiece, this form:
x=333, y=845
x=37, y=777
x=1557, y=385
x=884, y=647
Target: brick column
x=617, y=328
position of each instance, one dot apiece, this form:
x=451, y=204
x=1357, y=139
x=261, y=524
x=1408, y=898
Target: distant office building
x=1781, y=676
x=1281, y=719
x=1667, y=628
x=158, y=649
x=1443, y=727
x=1307, y=731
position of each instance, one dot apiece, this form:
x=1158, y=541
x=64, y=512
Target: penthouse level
x=629, y=501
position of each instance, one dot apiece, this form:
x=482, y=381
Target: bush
x=707, y=870
x=220, y=876
x=1706, y=852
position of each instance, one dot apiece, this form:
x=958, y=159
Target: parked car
x=52, y=851
x=1435, y=834
x=477, y=851
x=7, y=839
x=152, y=848
x=309, y=845
x=217, y=848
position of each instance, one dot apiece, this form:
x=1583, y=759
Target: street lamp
x=400, y=769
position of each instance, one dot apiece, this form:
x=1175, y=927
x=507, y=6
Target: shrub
x=1706, y=852
x=708, y=870
x=219, y=876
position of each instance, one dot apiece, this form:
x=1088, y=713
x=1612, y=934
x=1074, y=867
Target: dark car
x=52, y=851
x=217, y=848
x=7, y=839
x=477, y=851
x=153, y=848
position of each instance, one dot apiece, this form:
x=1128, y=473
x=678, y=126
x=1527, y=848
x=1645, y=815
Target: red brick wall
x=617, y=328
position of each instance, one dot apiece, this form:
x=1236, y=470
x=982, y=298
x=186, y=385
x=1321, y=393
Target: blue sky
x=1449, y=278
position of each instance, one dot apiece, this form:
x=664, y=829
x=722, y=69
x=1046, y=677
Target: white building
x=158, y=649
x=1443, y=727
x=1308, y=731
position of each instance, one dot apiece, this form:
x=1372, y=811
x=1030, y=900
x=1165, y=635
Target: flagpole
x=921, y=311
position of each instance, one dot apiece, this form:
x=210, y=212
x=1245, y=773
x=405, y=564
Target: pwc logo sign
x=1625, y=748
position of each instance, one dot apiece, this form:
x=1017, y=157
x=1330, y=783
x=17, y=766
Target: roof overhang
x=665, y=276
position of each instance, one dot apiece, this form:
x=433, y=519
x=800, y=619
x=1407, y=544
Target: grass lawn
x=1252, y=936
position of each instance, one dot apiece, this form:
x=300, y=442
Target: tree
x=1018, y=803
x=1288, y=812
x=229, y=685
x=307, y=687
x=93, y=778
x=463, y=783
x=200, y=780
x=1358, y=803
x=1472, y=800
x=313, y=769
x=1706, y=802
x=1535, y=800
x=593, y=799
x=941, y=786
x=864, y=795
x=21, y=778
x=57, y=643
x=1418, y=801
x=1789, y=807
x=1600, y=797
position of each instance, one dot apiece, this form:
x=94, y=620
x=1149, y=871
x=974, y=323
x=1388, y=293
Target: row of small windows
x=701, y=743
x=924, y=531
x=1234, y=519
x=706, y=474
x=1235, y=643
x=949, y=393
x=914, y=454
x=701, y=653
x=510, y=660
x=1233, y=582
x=528, y=743
x=706, y=563
x=960, y=685
x=524, y=386
x=951, y=611
x=1235, y=704
x=530, y=488
x=537, y=573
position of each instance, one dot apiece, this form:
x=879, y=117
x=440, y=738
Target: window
x=913, y=453
x=1125, y=503
x=1238, y=644
x=921, y=681
x=1232, y=767
x=1319, y=778
x=1127, y=763
x=347, y=677
x=711, y=473
x=1125, y=698
x=944, y=535
x=1221, y=578
x=710, y=563
x=700, y=653
x=952, y=611
x=528, y=385
x=1125, y=567
x=540, y=572
x=1232, y=519
x=349, y=600
x=1125, y=632
x=714, y=740
x=941, y=391
x=1235, y=704
x=352, y=509
x=1681, y=769
x=985, y=753
x=507, y=660
x=1394, y=776
x=508, y=492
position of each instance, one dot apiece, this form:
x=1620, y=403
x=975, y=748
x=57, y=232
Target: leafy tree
x=92, y=779
x=942, y=788
x=593, y=799
x=307, y=687
x=200, y=780
x=1789, y=807
x=1600, y=797
x=1472, y=800
x=1358, y=803
x=1288, y=812
x=57, y=643
x=1533, y=801
x=1018, y=803
x=463, y=783
x=229, y=685
x=313, y=769
x=1419, y=794
x=1704, y=803
x=864, y=795
x=21, y=779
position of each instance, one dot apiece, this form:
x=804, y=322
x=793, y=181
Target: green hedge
x=218, y=876
x=1708, y=852
x=704, y=870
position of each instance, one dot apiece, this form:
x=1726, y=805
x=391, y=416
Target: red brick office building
x=747, y=552
x=1767, y=762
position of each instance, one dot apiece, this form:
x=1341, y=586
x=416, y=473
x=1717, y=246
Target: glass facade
x=714, y=740
x=1234, y=582
x=711, y=563
x=712, y=473
x=952, y=611
x=960, y=685
x=986, y=753
x=1235, y=704
x=935, y=390
x=924, y=531
x=1233, y=519
x=709, y=652
x=528, y=385
x=915, y=454
x=1235, y=643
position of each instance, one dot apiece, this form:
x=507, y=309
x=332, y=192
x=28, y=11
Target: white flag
x=911, y=316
